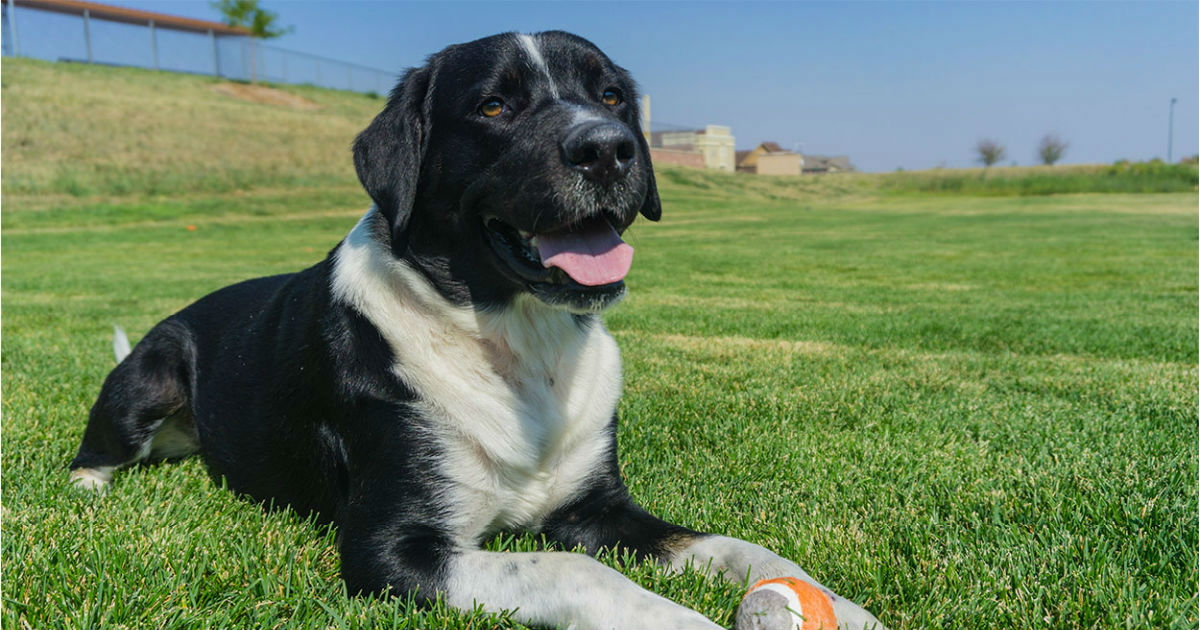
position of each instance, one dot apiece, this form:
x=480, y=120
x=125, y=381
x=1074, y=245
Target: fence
x=92, y=33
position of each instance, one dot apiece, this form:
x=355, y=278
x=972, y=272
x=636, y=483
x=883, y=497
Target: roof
x=132, y=16
x=773, y=147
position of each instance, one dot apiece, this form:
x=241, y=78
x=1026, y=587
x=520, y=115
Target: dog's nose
x=603, y=152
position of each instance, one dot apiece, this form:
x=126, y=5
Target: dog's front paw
x=851, y=616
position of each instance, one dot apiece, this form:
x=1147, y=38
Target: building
x=711, y=147
x=714, y=142
x=768, y=158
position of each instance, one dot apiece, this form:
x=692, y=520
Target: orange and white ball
x=785, y=604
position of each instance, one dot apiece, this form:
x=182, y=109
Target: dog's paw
x=91, y=479
x=851, y=616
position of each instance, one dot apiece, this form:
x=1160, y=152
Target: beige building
x=768, y=158
x=780, y=164
x=714, y=142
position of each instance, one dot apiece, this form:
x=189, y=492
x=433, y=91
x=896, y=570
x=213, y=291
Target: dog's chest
x=518, y=403
x=521, y=414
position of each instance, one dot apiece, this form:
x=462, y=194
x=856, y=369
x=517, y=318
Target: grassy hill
x=964, y=405
x=92, y=130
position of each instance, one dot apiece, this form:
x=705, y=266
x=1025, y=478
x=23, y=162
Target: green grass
x=1122, y=177
x=960, y=410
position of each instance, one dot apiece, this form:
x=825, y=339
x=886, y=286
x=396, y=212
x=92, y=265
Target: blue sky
x=910, y=85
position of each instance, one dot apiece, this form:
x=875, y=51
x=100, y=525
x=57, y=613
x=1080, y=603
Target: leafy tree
x=248, y=15
x=989, y=151
x=1051, y=149
x=260, y=22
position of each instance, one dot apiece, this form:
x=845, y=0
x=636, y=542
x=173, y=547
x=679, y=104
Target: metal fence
x=55, y=36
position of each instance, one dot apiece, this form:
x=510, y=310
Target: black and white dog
x=442, y=375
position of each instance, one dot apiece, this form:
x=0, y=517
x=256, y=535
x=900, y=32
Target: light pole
x=1170, y=128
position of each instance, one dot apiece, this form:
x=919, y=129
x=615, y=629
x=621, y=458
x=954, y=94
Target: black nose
x=602, y=152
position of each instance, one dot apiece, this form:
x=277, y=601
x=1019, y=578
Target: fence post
x=216, y=55
x=154, y=44
x=87, y=33
x=12, y=30
x=318, y=72
x=284, y=58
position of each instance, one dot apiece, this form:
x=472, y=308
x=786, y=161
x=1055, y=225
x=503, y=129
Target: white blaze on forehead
x=535, y=57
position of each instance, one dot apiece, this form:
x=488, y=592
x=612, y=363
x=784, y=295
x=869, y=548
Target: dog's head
x=512, y=164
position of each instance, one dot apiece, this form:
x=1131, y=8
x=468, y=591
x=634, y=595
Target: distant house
x=711, y=147
x=768, y=158
x=828, y=164
x=714, y=143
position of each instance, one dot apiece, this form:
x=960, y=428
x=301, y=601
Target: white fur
x=92, y=479
x=174, y=438
x=521, y=398
x=558, y=589
x=535, y=57
x=120, y=344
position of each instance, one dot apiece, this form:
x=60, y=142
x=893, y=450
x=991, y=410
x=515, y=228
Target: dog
x=442, y=375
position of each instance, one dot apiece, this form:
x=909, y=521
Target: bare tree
x=989, y=151
x=1051, y=149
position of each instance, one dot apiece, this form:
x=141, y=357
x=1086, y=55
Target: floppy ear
x=389, y=152
x=652, y=206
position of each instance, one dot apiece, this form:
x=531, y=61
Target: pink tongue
x=592, y=254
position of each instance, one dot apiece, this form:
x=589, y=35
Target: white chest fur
x=518, y=399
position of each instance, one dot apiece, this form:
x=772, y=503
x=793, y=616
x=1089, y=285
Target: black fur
x=290, y=393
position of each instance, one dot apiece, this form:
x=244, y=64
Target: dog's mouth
x=586, y=257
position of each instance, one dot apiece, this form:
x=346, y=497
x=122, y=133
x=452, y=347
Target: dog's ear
x=652, y=206
x=389, y=153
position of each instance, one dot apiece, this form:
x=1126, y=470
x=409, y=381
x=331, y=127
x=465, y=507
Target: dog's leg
x=607, y=517
x=560, y=589
x=554, y=589
x=397, y=546
x=145, y=389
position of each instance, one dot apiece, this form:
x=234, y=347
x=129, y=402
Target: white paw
x=91, y=479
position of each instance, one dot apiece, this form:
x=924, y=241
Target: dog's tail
x=120, y=344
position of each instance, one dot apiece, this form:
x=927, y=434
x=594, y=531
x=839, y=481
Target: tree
x=989, y=152
x=260, y=22
x=248, y=15
x=1051, y=149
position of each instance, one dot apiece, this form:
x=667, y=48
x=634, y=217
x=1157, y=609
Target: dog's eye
x=611, y=98
x=492, y=108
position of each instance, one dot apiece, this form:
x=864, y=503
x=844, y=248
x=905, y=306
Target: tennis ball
x=785, y=604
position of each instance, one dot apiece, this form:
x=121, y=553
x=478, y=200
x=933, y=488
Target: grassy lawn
x=960, y=411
